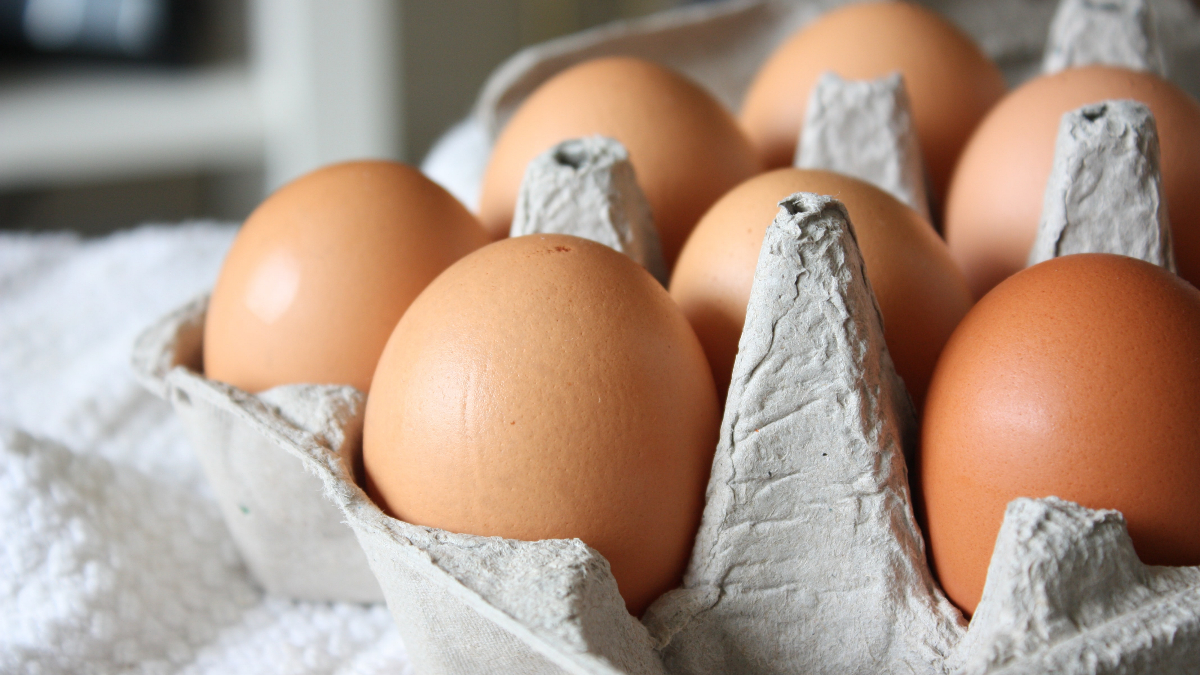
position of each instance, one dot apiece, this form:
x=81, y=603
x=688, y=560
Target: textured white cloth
x=113, y=556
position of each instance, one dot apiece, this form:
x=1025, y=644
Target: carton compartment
x=293, y=540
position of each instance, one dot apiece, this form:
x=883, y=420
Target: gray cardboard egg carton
x=294, y=541
x=808, y=558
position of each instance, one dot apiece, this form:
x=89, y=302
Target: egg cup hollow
x=292, y=539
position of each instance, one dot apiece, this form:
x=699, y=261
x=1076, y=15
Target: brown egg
x=547, y=387
x=921, y=294
x=1077, y=378
x=995, y=199
x=685, y=147
x=322, y=270
x=951, y=83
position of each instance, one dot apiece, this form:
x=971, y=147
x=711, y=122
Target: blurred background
x=118, y=112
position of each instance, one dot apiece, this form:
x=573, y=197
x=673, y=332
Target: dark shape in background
x=150, y=31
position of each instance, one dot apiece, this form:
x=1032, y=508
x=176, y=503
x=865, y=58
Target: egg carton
x=808, y=558
x=1105, y=192
x=293, y=540
x=586, y=187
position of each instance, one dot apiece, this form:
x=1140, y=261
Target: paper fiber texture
x=292, y=539
x=864, y=129
x=1105, y=192
x=587, y=187
x=1103, y=32
x=470, y=604
x=1066, y=593
x=775, y=585
x=808, y=559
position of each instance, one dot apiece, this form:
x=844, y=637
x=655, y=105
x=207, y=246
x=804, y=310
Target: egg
x=685, y=147
x=921, y=293
x=321, y=271
x=547, y=387
x=1077, y=378
x=951, y=83
x=995, y=199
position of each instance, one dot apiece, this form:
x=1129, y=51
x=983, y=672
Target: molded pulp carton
x=808, y=558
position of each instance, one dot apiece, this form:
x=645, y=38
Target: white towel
x=113, y=556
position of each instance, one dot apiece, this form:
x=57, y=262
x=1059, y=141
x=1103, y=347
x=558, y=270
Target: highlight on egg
x=1077, y=378
x=686, y=148
x=321, y=271
x=545, y=387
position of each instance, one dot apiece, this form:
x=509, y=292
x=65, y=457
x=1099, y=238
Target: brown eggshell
x=547, y=387
x=1078, y=378
x=921, y=294
x=995, y=199
x=685, y=147
x=951, y=83
x=322, y=270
